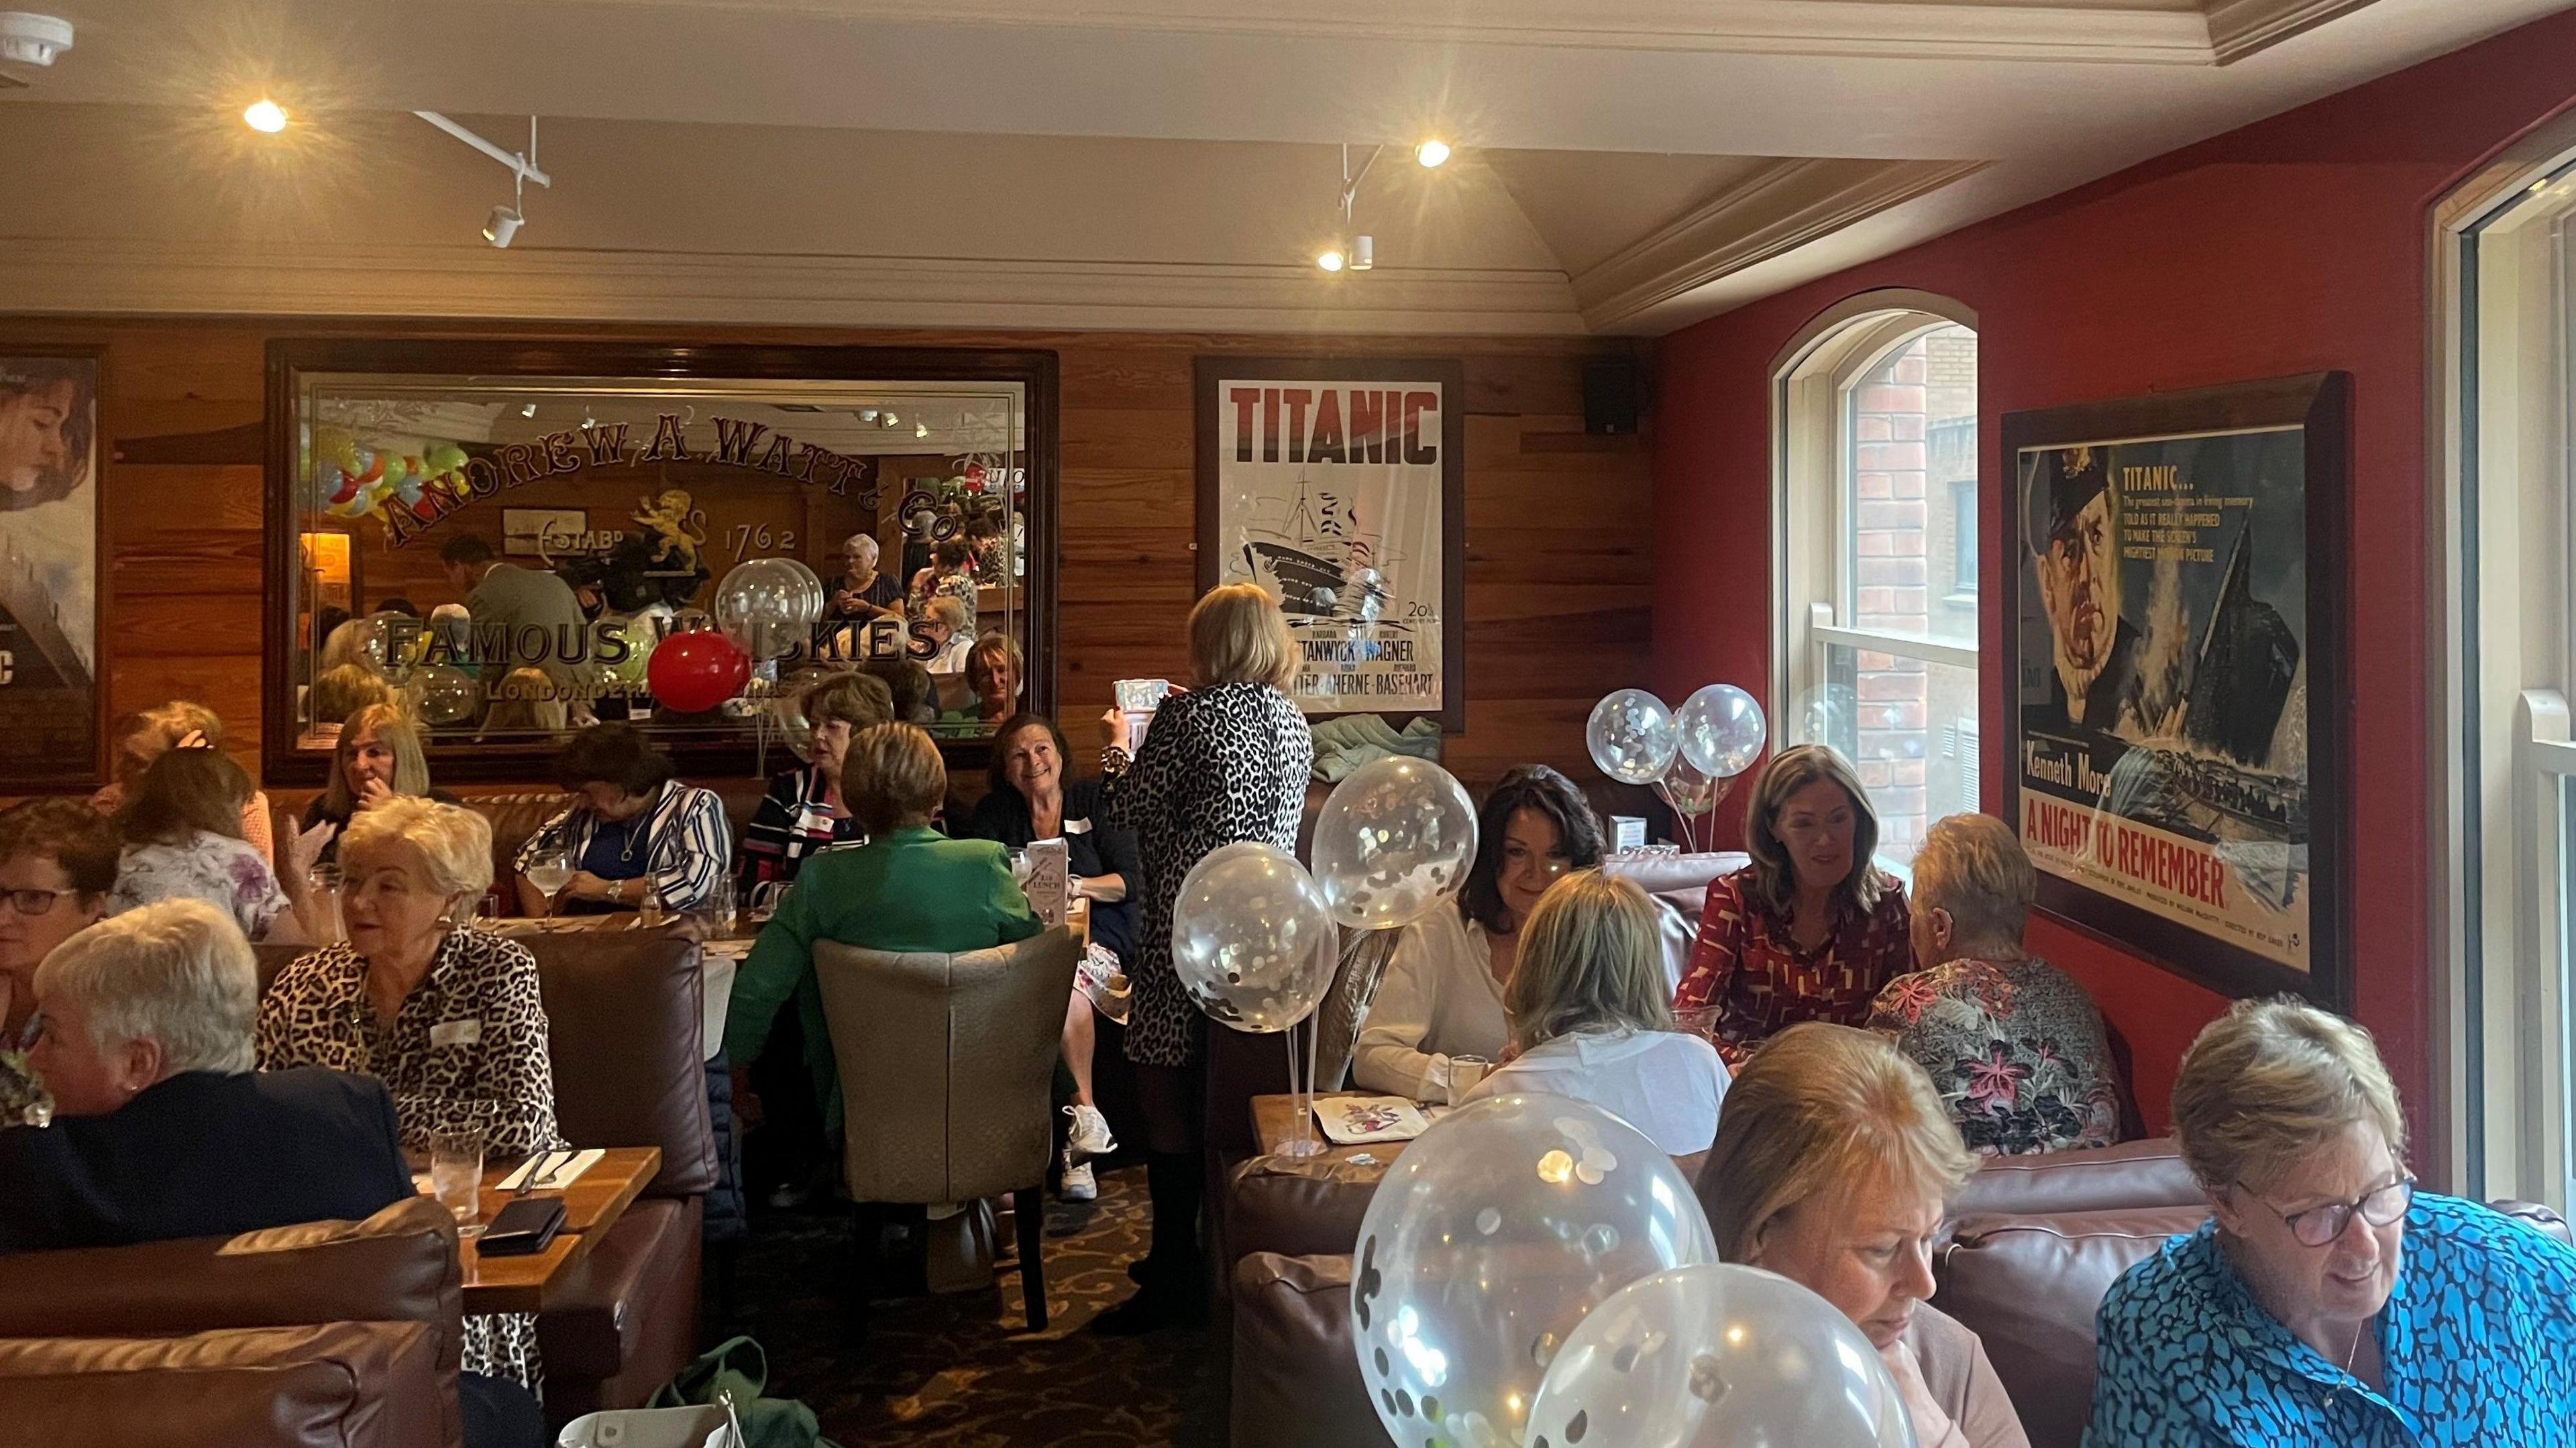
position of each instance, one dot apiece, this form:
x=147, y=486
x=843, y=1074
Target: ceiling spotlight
x=1431, y=153
x=503, y=224
x=264, y=116
x=1363, y=253
x=528, y=411
x=921, y=429
x=867, y=414
x=1331, y=260
x=890, y=420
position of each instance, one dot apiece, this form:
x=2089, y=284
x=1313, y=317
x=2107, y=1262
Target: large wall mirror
x=515, y=540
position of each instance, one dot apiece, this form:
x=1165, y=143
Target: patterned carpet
x=959, y=1370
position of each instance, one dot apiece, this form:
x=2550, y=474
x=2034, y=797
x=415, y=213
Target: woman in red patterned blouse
x=1810, y=930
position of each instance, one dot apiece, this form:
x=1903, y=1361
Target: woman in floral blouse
x=182, y=829
x=57, y=862
x=446, y=1015
x=2013, y=1044
x=1810, y=930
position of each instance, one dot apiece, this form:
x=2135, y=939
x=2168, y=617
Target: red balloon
x=697, y=670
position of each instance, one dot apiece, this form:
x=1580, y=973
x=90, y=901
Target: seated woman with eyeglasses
x=2327, y=1302
x=57, y=863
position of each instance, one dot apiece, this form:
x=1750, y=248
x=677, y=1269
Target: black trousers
x=499, y=1413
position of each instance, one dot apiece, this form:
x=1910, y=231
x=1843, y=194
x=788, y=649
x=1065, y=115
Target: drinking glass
x=548, y=872
x=1464, y=1073
x=720, y=907
x=456, y=1174
x=764, y=900
x=322, y=887
x=648, y=908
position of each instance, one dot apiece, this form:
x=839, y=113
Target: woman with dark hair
x=1811, y=930
x=635, y=832
x=57, y=863
x=916, y=694
x=182, y=832
x=951, y=574
x=1035, y=797
x=1442, y=995
x=44, y=430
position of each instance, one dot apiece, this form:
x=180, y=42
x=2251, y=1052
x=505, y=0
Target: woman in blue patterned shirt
x=2328, y=1304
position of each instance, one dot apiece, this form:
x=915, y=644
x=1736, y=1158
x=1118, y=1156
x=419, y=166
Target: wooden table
x=1274, y=1120
x=592, y=1204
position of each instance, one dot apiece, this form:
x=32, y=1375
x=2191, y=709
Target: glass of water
x=456, y=1175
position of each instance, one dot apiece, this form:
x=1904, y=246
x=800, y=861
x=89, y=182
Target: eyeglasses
x=33, y=903
x=2319, y=1225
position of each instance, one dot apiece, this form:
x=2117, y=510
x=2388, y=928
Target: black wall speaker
x=1610, y=396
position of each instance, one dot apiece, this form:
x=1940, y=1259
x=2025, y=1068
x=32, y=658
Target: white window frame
x=2503, y=762
x=1810, y=463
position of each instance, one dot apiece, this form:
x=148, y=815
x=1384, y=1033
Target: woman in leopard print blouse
x=447, y=1016
x=1227, y=761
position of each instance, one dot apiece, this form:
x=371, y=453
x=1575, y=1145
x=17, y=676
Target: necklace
x=2354, y=1351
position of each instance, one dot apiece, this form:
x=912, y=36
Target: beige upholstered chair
x=946, y=1063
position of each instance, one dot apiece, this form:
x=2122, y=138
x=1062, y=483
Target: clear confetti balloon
x=1252, y=941
x=1694, y=794
x=1394, y=840
x=1488, y=1242
x=1631, y=736
x=442, y=695
x=1714, y=1355
x=767, y=606
x=1721, y=731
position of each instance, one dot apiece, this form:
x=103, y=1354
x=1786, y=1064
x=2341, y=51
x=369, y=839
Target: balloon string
x=1306, y=1118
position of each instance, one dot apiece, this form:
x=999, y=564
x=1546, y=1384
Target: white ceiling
x=1625, y=165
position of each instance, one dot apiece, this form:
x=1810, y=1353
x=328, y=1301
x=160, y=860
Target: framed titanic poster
x=1339, y=486
x=2179, y=735
x=50, y=694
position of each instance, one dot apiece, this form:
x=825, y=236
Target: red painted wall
x=2294, y=245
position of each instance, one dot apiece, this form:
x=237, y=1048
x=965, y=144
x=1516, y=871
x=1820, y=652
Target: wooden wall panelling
x=1558, y=521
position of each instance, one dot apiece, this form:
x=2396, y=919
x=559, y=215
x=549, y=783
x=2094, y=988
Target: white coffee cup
x=1464, y=1073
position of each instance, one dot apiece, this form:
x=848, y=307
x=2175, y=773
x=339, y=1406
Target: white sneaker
x=1078, y=1183
x=1090, y=1135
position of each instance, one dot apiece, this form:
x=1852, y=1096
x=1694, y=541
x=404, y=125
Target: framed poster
x=2178, y=741
x=50, y=580
x=1339, y=486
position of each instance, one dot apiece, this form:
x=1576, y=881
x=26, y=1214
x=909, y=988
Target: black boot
x=1172, y=1290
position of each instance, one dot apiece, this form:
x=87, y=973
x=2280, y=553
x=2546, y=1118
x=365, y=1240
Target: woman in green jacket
x=909, y=888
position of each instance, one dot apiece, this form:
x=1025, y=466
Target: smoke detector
x=30, y=39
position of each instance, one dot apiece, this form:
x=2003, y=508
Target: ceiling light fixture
x=1331, y=259
x=27, y=38
x=505, y=221
x=1363, y=253
x=1432, y=152
x=264, y=116
x=921, y=429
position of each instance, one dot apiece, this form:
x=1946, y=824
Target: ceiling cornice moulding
x=2239, y=28
x=1774, y=211
x=56, y=275
x=2133, y=32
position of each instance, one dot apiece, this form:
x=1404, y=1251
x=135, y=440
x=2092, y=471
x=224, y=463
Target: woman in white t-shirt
x=1590, y=1018
x=1442, y=994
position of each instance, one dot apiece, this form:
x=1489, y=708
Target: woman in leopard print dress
x=447, y=1016
x=1224, y=762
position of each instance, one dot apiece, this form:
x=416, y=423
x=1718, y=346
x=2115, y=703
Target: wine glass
x=548, y=872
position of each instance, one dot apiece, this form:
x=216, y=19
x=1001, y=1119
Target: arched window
x=2504, y=879
x=1876, y=519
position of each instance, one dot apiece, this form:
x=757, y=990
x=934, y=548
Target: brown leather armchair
x=946, y=1063
x=342, y=1333
x=623, y=1018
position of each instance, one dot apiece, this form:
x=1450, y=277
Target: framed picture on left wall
x=50, y=690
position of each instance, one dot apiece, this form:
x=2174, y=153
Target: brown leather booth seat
x=323, y=1333
x=1296, y=1384
x=623, y=1016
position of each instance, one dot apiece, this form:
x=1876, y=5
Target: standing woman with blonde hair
x=1811, y=930
x=1226, y=761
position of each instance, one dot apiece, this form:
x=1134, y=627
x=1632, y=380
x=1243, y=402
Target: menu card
x=1047, y=885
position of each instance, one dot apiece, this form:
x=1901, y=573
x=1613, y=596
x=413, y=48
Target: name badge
x=1077, y=827
x=456, y=1033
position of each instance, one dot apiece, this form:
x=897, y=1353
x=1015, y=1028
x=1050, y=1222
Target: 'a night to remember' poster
x=2163, y=680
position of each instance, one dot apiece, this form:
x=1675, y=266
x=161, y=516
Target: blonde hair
x=2270, y=1081
x=892, y=777
x=525, y=700
x=176, y=971
x=992, y=649
x=1239, y=636
x=1973, y=866
x=949, y=609
x=858, y=700
x=178, y=719
x=1817, y=1111
x=393, y=729
x=1774, y=874
x=455, y=842
x=1591, y=958
x=343, y=691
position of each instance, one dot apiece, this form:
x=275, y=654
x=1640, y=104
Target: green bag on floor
x=740, y=1368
